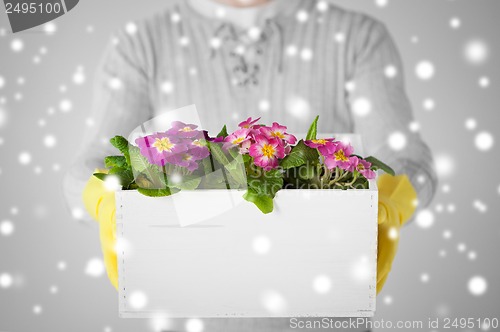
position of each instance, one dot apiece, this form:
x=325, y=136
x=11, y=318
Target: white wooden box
x=315, y=255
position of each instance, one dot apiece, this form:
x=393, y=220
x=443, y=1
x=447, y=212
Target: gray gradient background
x=46, y=234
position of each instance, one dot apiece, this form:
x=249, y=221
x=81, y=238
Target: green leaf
x=156, y=192
x=124, y=176
x=188, y=183
x=122, y=145
x=264, y=203
x=218, y=154
x=234, y=152
x=142, y=181
x=140, y=164
x=235, y=168
x=313, y=130
x=361, y=183
x=100, y=176
x=306, y=172
x=300, y=155
x=378, y=164
x=265, y=183
x=116, y=161
x=247, y=159
x=207, y=166
x=223, y=132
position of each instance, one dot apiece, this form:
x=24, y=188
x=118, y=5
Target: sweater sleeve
x=121, y=103
x=381, y=110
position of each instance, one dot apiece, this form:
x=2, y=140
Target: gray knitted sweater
x=302, y=58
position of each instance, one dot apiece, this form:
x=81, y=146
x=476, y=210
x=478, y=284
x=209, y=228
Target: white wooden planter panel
x=315, y=255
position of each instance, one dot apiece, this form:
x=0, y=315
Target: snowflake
x=476, y=52
x=167, y=87
x=273, y=302
x=425, y=219
x=264, y=105
x=24, y=158
x=95, y=268
x=362, y=106
x=429, y=104
x=254, y=33
x=3, y=118
x=37, y=309
x=65, y=105
x=322, y=6
x=160, y=323
x=215, y=43
x=79, y=76
x=381, y=3
x=445, y=165
x=50, y=141
x=397, y=141
x=298, y=107
x=112, y=183
x=484, y=141
x=131, y=28
x=388, y=300
x=477, y=286
x=6, y=280
x=455, y=23
x=292, y=50
x=480, y=206
x=184, y=41
x=322, y=284
x=175, y=17
x=484, y=82
x=339, y=37
x=261, y=245
x=115, y=83
x=17, y=45
x=61, y=265
x=306, y=54
x=390, y=71
x=350, y=86
x=302, y=16
x=470, y=124
x=425, y=70
x=137, y=300
x=50, y=27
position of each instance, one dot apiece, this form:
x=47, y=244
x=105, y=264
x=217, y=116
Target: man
x=283, y=60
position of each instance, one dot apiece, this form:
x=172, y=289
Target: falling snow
x=440, y=110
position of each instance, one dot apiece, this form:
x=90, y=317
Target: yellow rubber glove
x=397, y=203
x=100, y=204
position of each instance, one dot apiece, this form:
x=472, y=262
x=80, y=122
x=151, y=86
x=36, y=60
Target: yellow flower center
x=268, y=151
x=319, y=141
x=339, y=155
x=361, y=167
x=163, y=144
x=197, y=142
x=186, y=129
x=187, y=157
x=277, y=134
x=238, y=140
